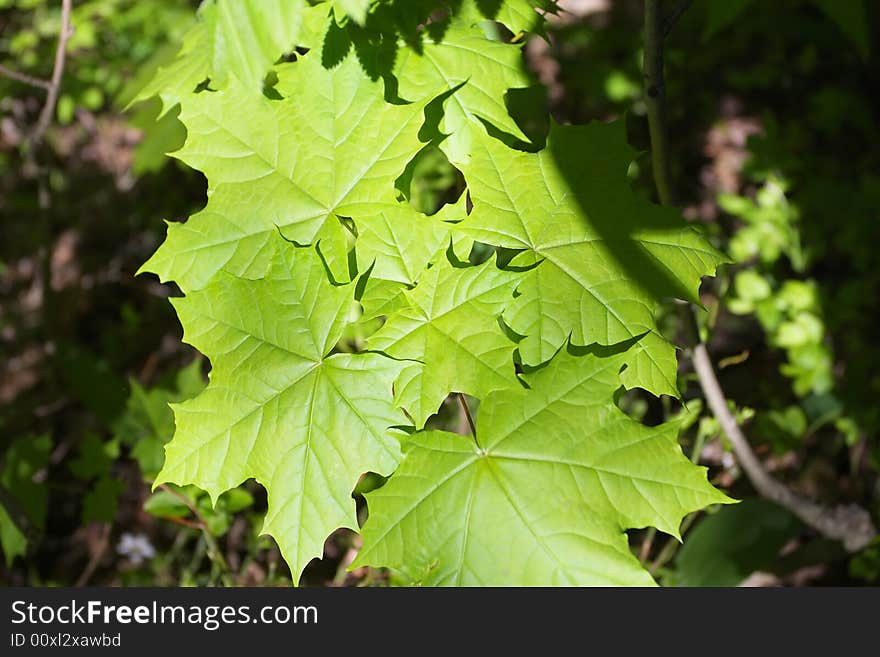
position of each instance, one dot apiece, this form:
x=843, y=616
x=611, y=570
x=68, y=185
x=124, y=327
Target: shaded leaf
x=731, y=544
x=24, y=458
x=604, y=257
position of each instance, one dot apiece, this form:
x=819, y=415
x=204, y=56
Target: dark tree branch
x=850, y=524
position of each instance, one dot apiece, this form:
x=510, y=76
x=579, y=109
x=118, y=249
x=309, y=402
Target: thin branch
x=57, y=71
x=647, y=544
x=668, y=551
x=467, y=414
x=186, y=502
x=27, y=79
x=213, y=549
x=849, y=524
x=672, y=19
x=185, y=523
x=97, y=555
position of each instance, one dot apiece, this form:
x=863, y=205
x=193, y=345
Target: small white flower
x=137, y=548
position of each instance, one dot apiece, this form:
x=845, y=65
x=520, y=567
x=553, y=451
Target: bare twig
x=668, y=551
x=57, y=71
x=467, y=414
x=26, y=79
x=647, y=544
x=185, y=523
x=673, y=17
x=97, y=555
x=186, y=502
x=849, y=524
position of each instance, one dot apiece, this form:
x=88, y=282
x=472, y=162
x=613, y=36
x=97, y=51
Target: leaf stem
x=668, y=551
x=850, y=524
x=213, y=549
x=647, y=544
x=672, y=544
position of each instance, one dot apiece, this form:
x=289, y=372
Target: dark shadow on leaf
x=389, y=27
x=529, y=108
x=507, y=139
x=594, y=163
x=430, y=134
x=336, y=46
x=361, y=283
x=269, y=90
x=601, y=351
x=506, y=255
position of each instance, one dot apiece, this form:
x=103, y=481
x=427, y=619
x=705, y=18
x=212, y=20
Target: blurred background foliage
x=775, y=153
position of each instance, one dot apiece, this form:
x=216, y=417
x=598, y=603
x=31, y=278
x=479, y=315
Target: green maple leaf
x=449, y=324
x=330, y=148
x=279, y=407
x=249, y=36
x=605, y=257
x=395, y=247
x=559, y=474
x=480, y=69
x=239, y=38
